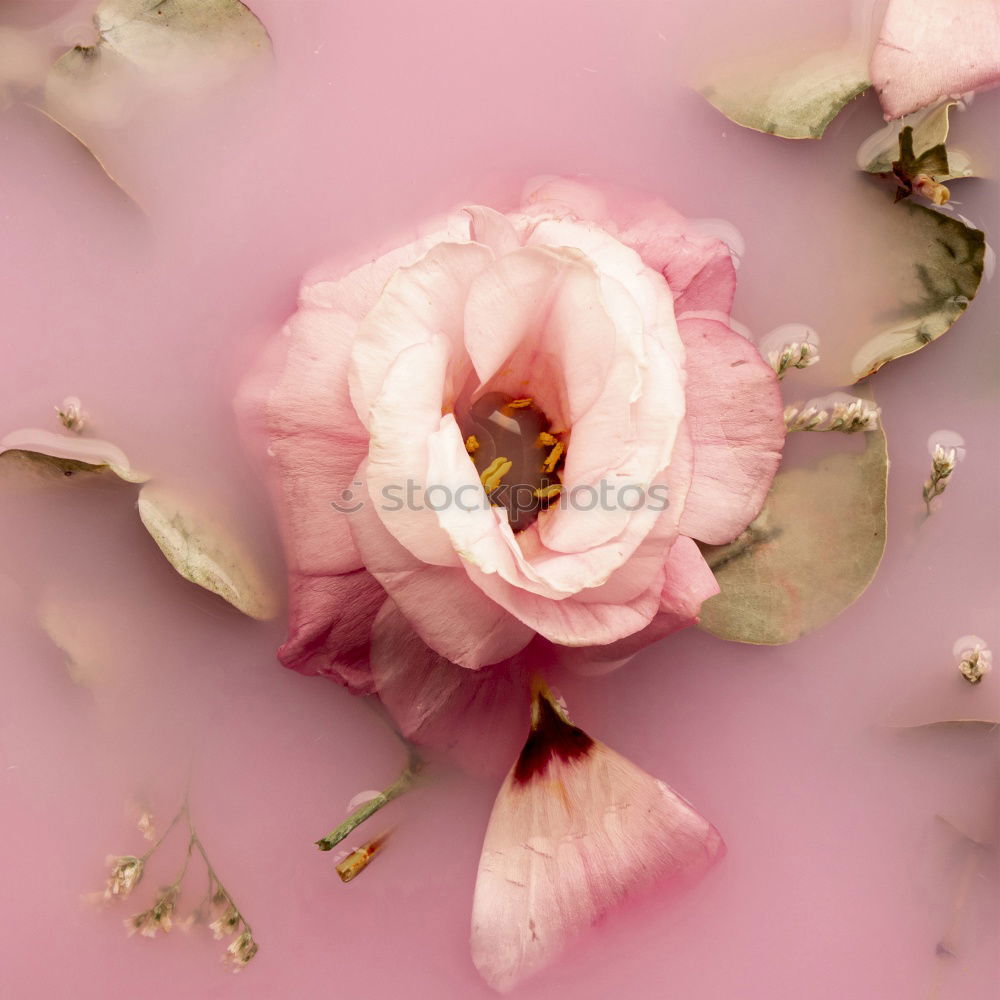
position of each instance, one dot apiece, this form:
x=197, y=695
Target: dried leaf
x=938, y=270
x=879, y=152
x=795, y=103
x=811, y=552
x=143, y=46
x=203, y=551
x=62, y=455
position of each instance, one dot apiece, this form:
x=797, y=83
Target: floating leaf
x=82, y=147
x=59, y=454
x=794, y=103
x=811, y=552
x=940, y=265
x=879, y=152
x=204, y=552
x=947, y=699
x=143, y=46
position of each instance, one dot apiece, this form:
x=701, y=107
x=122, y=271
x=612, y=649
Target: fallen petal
x=575, y=830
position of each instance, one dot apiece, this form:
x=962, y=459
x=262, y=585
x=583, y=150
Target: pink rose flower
x=929, y=50
x=472, y=439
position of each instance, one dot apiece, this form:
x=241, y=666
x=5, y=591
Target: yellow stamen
x=553, y=460
x=472, y=444
x=547, y=492
x=520, y=404
x=545, y=440
x=492, y=475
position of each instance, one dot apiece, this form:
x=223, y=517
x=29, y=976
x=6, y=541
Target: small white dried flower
x=159, y=917
x=146, y=827
x=241, y=951
x=71, y=415
x=943, y=462
x=857, y=415
x=848, y=416
x=226, y=924
x=975, y=661
x=126, y=871
x=804, y=417
x=794, y=355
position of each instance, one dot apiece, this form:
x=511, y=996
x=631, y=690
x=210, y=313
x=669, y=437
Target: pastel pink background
x=839, y=880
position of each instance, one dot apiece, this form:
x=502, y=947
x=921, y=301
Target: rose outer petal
x=478, y=715
x=737, y=430
x=451, y=615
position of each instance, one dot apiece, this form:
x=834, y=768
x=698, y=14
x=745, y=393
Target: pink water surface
x=839, y=881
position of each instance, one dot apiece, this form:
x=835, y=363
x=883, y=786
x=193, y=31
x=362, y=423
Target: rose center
x=515, y=453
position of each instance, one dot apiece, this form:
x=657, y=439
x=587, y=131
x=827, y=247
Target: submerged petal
x=576, y=829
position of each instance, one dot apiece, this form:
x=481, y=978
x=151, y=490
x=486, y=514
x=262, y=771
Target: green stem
x=368, y=809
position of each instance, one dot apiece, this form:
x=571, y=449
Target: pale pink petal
x=495, y=564
x=535, y=324
x=301, y=424
x=572, y=621
x=932, y=49
x=735, y=419
x=478, y=716
x=329, y=633
x=575, y=830
x=698, y=267
x=687, y=583
x=617, y=450
x=403, y=417
x=492, y=229
x=453, y=616
x=348, y=287
x=560, y=197
x=418, y=303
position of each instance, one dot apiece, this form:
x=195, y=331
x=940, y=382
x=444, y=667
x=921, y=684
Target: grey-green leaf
x=930, y=127
x=797, y=102
x=811, y=552
x=177, y=47
x=203, y=551
x=940, y=266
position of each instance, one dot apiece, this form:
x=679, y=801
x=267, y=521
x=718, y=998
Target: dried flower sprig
x=848, y=417
x=127, y=871
x=794, y=355
x=71, y=415
x=943, y=462
x=159, y=917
